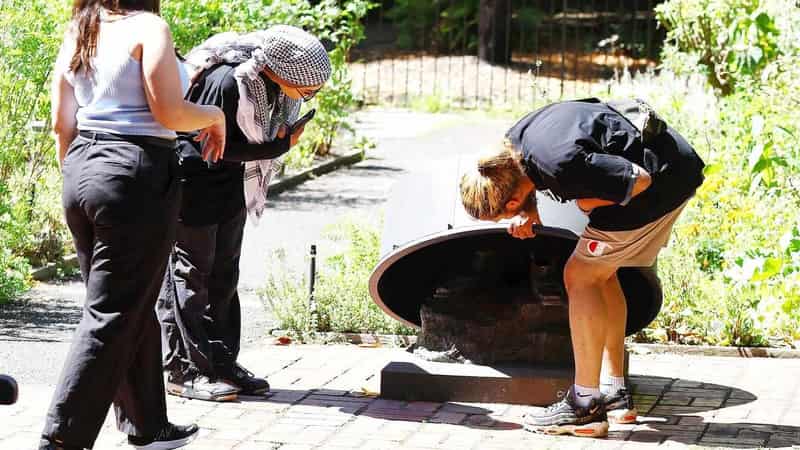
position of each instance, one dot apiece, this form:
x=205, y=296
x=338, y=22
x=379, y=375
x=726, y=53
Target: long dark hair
x=86, y=19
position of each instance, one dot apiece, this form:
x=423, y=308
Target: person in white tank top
x=117, y=100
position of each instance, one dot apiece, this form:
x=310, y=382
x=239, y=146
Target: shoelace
x=555, y=406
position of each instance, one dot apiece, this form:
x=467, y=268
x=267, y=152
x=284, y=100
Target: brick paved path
x=317, y=403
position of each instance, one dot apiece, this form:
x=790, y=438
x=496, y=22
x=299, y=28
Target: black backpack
x=641, y=115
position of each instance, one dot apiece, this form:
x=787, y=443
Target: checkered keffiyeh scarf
x=291, y=53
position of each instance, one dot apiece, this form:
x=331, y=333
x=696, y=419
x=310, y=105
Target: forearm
x=245, y=151
x=188, y=116
x=641, y=183
x=63, y=141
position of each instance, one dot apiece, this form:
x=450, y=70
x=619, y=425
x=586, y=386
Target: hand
x=296, y=133
x=214, y=137
x=521, y=227
x=282, y=130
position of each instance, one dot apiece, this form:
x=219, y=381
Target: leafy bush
x=732, y=272
x=342, y=300
x=31, y=230
x=729, y=39
x=447, y=26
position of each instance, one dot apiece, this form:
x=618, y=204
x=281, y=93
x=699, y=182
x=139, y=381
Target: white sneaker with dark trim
x=565, y=417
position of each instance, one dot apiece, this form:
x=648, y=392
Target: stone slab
x=445, y=382
x=410, y=378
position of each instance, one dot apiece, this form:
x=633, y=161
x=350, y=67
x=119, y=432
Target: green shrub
x=342, y=300
x=732, y=272
x=729, y=40
x=31, y=230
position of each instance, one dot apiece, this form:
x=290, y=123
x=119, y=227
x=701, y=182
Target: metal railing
x=500, y=53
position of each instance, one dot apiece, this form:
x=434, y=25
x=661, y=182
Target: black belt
x=138, y=140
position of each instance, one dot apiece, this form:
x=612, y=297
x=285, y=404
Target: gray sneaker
x=564, y=417
x=201, y=387
x=620, y=408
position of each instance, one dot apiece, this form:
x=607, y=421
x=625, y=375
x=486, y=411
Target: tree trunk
x=492, y=26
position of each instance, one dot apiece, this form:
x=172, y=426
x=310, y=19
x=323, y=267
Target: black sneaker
x=200, y=387
x=566, y=418
x=46, y=444
x=244, y=380
x=172, y=436
x=620, y=408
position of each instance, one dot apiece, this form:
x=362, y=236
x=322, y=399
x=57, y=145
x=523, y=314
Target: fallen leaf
x=283, y=340
x=367, y=392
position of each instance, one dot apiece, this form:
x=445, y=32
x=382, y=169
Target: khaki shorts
x=630, y=248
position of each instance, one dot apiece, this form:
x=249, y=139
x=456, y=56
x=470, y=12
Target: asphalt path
x=35, y=331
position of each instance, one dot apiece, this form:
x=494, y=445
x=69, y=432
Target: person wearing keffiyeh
x=260, y=81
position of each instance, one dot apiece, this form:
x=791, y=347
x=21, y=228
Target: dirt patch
x=466, y=82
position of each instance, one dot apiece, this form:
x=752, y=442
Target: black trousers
x=121, y=199
x=199, y=305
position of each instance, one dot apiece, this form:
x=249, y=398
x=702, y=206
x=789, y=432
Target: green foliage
x=30, y=218
x=342, y=300
x=435, y=24
x=730, y=40
x=732, y=273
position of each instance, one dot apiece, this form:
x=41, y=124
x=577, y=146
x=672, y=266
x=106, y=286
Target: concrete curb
x=708, y=350
x=388, y=340
x=634, y=348
x=347, y=159
x=50, y=270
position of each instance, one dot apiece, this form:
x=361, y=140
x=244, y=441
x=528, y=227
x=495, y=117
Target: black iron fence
x=500, y=53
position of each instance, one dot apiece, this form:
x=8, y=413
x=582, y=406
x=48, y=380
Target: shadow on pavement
x=675, y=410
x=41, y=317
x=671, y=411
x=366, y=406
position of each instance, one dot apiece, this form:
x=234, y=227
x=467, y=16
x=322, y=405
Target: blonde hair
x=486, y=190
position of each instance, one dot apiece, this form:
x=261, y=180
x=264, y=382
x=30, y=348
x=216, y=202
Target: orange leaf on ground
x=283, y=340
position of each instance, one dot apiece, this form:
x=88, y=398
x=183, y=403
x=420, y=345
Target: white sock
x=584, y=395
x=611, y=385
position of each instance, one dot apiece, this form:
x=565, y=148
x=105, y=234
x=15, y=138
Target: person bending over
x=632, y=192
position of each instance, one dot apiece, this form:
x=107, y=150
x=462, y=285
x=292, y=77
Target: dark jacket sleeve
x=598, y=175
x=236, y=146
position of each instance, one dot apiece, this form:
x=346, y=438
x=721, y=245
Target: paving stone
x=213, y=444
x=733, y=442
x=377, y=444
x=448, y=417
x=255, y=446
x=647, y=436
x=712, y=403
x=335, y=419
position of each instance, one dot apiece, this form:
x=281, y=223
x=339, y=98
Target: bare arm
x=64, y=105
x=643, y=181
x=165, y=96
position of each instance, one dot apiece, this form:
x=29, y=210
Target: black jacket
x=214, y=192
x=579, y=149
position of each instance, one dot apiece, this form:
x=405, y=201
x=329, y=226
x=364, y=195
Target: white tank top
x=112, y=98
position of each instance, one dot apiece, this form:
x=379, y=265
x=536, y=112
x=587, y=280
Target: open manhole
x=479, y=296
x=478, y=293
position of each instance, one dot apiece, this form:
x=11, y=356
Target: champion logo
x=596, y=248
